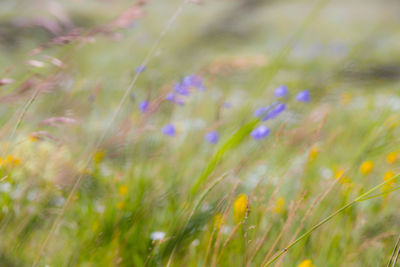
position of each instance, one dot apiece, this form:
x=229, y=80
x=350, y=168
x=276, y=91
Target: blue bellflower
x=194, y=81
x=181, y=89
x=274, y=112
x=169, y=130
x=140, y=68
x=260, y=132
x=143, y=106
x=212, y=137
x=281, y=91
x=261, y=111
x=304, y=96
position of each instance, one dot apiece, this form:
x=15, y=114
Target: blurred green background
x=82, y=187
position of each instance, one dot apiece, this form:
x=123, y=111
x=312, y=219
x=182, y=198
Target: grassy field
x=199, y=133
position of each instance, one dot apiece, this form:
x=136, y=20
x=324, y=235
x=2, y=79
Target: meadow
x=199, y=133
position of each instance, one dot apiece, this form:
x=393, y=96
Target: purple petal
x=169, y=130
x=212, y=137
x=304, y=96
x=143, y=106
x=278, y=109
x=281, y=91
x=140, y=68
x=260, y=132
x=170, y=97
x=181, y=89
x=260, y=111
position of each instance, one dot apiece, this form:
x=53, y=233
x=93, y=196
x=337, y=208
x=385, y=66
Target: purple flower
x=143, y=106
x=140, y=68
x=212, y=137
x=260, y=132
x=278, y=109
x=169, y=130
x=281, y=91
x=194, y=81
x=173, y=98
x=260, y=111
x=304, y=96
x=181, y=89
x=170, y=97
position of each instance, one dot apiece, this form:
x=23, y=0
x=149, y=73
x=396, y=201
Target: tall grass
x=89, y=176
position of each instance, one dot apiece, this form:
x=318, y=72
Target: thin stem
x=394, y=251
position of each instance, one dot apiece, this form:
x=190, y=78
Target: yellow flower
x=339, y=174
x=98, y=156
x=123, y=190
x=12, y=161
x=313, y=153
x=240, y=208
x=33, y=138
x=343, y=178
x=306, y=263
x=388, y=175
x=366, y=167
x=391, y=157
x=345, y=98
x=218, y=220
x=120, y=205
x=279, y=206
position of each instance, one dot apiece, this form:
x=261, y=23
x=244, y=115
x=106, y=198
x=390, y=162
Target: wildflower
x=339, y=174
x=123, y=190
x=143, y=105
x=391, y=157
x=194, y=81
x=278, y=109
x=120, y=205
x=157, y=235
x=12, y=160
x=387, y=176
x=33, y=138
x=170, y=97
x=303, y=96
x=313, y=153
x=218, y=220
x=6, y=81
x=169, y=130
x=260, y=111
x=240, y=208
x=345, y=98
x=281, y=91
x=260, y=132
x=212, y=137
x=279, y=205
x=306, y=263
x=140, y=68
x=5, y=187
x=98, y=156
x=181, y=89
x=366, y=167
x=344, y=180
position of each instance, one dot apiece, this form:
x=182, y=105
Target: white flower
x=5, y=187
x=157, y=235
